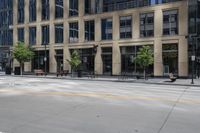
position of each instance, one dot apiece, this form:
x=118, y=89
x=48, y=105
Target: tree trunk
x=21, y=68
x=144, y=73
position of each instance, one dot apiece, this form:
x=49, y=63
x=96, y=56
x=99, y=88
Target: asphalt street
x=39, y=105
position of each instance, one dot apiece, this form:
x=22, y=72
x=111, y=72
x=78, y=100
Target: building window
x=45, y=35
x=147, y=25
x=20, y=11
x=58, y=8
x=128, y=65
x=59, y=33
x=20, y=33
x=73, y=8
x=87, y=57
x=73, y=32
x=45, y=9
x=89, y=30
x=32, y=10
x=32, y=35
x=88, y=7
x=6, y=19
x=170, y=22
x=126, y=27
x=106, y=29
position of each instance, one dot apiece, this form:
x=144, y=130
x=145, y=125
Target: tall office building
x=117, y=28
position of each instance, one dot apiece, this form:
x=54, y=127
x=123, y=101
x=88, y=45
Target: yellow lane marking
x=101, y=95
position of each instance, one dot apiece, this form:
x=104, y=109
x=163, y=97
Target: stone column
x=39, y=10
x=15, y=3
x=27, y=65
x=183, y=57
x=98, y=58
x=66, y=53
x=136, y=25
x=158, y=61
x=81, y=30
x=66, y=8
x=81, y=8
x=116, y=58
x=183, y=43
x=98, y=61
x=52, y=59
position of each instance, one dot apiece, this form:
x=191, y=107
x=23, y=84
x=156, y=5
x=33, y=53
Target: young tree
x=144, y=58
x=22, y=54
x=75, y=61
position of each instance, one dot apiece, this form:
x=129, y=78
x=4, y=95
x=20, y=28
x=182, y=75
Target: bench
x=61, y=73
x=38, y=72
x=172, y=78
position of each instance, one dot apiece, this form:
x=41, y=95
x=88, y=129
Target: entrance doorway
x=170, y=59
x=107, y=60
x=59, y=60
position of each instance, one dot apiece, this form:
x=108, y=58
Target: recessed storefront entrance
x=107, y=60
x=170, y=59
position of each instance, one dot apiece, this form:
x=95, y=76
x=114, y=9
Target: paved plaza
x=39, y=105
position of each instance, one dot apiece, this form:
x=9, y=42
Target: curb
x=104, y=80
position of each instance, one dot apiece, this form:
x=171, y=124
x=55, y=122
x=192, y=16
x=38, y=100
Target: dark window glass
x=73, y=32
x=59, y=9
x=38, y=60
x=45, y=9
x=112, y=5
x=32, y=35
x=87, y=59
x=170, y=22
x=32, y=10
x=20, y=33
x=20, y=11
x=73, y=8
x=128, y=66
x=106, y=29
x=6, y=19
x=89, y=30
x=147, y=25
x=45, y=34
x=59, y=33
x=126, y=27
x=88, y=7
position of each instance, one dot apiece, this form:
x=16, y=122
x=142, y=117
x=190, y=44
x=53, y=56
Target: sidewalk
x=159, y=81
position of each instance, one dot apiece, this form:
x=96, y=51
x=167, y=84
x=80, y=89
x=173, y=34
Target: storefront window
x=87, y=59
x=128, y=66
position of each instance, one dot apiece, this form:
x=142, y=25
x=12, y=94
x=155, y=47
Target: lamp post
x=45, y=59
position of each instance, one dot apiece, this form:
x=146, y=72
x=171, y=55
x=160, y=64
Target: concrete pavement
x=40, y=105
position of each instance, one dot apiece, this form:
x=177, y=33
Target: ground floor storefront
x=115, y=59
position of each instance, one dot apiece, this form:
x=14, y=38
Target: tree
x=144, y=58
x=74, y=61
x=22, y=54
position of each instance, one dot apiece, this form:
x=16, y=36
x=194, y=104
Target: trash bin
x=17, y=71
x=8, y=71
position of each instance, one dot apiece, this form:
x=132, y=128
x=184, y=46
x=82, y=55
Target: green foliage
x=145, y=57
x=22, y=53
x=75, y=60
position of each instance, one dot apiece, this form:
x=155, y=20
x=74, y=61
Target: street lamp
x=193, y=57
x=45, y=59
